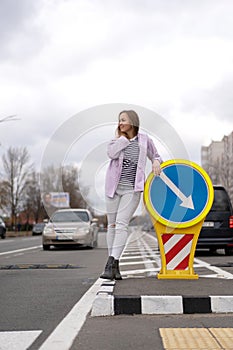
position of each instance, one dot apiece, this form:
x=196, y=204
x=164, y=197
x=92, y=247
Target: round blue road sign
x=181, y=196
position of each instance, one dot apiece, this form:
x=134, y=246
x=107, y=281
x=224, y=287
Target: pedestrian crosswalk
x=18, y=340
x=141, y=258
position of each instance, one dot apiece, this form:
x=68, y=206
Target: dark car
x=38, y=228
x=2, y=229
x=217, y=229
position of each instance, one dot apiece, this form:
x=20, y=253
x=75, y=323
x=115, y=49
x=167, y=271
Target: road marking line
x=64, y=334
x=210, y=276
x=135, y=272
x=146, y=252
x=220, y=273
x=21, y=250
x=139, y=256
x=30, y=238
x=156, y=259
x=147, y=263
x=216, y=269
x=139, y=262
x=18, y=340
x=18, y=254
x=7, y=241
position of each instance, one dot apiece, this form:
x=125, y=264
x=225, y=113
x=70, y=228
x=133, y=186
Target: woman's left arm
x=154, y=156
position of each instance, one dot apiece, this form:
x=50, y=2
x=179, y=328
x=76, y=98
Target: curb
x=106, y=304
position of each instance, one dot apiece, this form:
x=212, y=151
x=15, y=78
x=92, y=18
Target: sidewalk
x=157, y=305
x=141, y=292
x=18, y=233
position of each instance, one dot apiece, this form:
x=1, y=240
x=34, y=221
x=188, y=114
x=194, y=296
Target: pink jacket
x=115, y=152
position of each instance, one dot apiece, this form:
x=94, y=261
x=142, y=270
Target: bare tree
x=49, y=179
x=5, y=197
x=17, y=170
x=71, y=185
x=64, y=179
x=32, y=203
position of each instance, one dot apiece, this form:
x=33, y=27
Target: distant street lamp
x=10, y=118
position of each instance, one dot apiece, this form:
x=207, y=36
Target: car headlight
x=48, y=230
x=82, y=231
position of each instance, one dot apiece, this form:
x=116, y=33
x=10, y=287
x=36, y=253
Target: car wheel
x=3, y=236
x=46, y=246
x=91, y=245
x=229, y=251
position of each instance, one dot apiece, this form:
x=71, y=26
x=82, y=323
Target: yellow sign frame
x=193, y=227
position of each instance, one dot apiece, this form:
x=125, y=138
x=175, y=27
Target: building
x=217, y=160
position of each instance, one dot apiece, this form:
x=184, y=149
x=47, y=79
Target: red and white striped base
x=177, y=249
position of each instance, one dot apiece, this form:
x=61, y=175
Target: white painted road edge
x=65, y=333
x=220, y=272
x=21, y=250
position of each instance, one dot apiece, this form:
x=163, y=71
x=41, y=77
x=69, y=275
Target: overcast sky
x=61, y=57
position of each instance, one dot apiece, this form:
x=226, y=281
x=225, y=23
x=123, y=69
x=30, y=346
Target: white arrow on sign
x=186, y=202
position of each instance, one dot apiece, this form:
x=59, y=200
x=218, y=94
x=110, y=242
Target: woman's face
x=124, y=123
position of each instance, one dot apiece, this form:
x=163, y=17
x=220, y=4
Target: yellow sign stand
x=178, y=202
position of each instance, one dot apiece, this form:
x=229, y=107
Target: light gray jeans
x=120, y=210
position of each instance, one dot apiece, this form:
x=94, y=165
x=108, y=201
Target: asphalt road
x=39, y=288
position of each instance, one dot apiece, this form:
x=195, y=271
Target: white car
x=72, y=227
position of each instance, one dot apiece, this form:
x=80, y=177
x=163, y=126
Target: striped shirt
x=130, y=162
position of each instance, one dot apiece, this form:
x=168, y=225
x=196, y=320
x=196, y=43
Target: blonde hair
x=134, y=120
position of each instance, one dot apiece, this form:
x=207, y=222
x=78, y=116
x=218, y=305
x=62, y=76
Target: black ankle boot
x=117, y=271
x=109, y=271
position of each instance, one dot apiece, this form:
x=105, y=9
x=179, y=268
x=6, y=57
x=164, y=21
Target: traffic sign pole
x=178, y=202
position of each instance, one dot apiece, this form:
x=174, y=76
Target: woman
x=124, y=184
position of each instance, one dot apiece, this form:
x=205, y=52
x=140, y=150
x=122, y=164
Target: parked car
x=70, y=227
x=217, y=229
x=2, y=229
x=38, y=228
